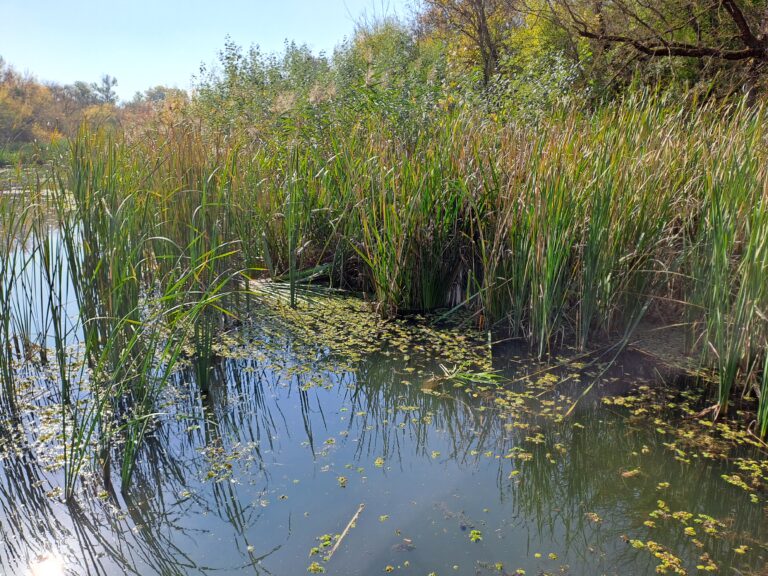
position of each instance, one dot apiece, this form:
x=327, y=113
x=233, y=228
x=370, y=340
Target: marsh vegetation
x=529, y=332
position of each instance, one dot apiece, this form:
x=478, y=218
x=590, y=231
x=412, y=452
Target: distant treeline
x=33, y=113
x=512, y=58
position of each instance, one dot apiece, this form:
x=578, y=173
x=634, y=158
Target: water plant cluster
x=332, y=396
x=103, y=304
x=524, y=420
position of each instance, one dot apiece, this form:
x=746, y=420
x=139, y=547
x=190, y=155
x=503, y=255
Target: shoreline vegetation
x=371, y=172
x=572, y=231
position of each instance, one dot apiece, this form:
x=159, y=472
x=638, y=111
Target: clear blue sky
x=144, y=43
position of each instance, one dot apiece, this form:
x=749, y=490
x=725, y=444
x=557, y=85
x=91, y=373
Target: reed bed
x=572, y=229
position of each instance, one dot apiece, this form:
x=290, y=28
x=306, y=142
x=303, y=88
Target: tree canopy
x=509, y=57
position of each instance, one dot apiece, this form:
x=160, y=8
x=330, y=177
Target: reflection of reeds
x=15, y=258
x=246, y=404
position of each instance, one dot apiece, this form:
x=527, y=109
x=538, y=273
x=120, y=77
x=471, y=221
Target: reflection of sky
x=31, y=292
x=443, y=476
x=50, y=565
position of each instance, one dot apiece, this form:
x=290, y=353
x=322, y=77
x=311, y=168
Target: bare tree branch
x=674, y=27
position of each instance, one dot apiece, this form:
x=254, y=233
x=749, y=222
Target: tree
x=727, y=30
x=105, y=89
x=25, y=108
x=253, y=88
x=158, y=94
x=82, y=93
x=482, y=22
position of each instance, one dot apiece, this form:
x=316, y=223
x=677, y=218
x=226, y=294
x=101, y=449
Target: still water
x=447, y=476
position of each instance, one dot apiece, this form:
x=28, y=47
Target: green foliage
x=262, y=91
x=542, y=67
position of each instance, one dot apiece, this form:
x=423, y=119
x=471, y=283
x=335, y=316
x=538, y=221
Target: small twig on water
x=346, y=530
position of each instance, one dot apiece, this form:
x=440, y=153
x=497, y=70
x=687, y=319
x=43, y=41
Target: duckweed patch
x=471, y=460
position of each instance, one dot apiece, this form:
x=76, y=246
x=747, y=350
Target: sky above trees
x=144, y=43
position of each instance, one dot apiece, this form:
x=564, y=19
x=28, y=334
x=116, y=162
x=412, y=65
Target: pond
x=331, y=441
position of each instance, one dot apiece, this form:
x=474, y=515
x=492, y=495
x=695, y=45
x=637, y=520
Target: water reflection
x=246, y=477
x=48, y=565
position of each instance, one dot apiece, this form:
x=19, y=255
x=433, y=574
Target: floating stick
x=343, y=534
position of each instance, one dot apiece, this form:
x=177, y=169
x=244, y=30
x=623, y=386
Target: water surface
x=302, y=427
